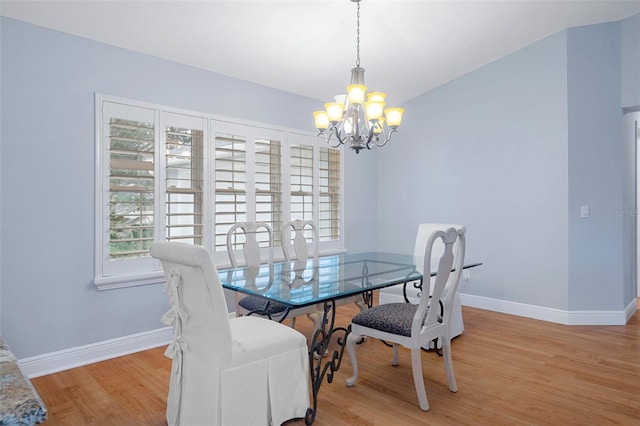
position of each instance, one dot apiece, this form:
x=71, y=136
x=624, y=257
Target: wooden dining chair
x=410, y=292
x=252, y=259
x=296, y=245
x=300, y=244
x=414, y=326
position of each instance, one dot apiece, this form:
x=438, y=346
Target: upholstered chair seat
x=411, y=294
x=258, y=304
x=395, y=318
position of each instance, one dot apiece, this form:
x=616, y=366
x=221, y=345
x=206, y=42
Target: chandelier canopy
x=358, y=119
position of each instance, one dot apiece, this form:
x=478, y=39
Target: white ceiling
x=307, y=47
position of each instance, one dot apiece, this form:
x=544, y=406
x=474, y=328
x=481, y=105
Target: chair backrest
x=201, y=345
x=297, y=228
x=424, y=230
x=251, y=247
x=194, y=290
x=445, y=283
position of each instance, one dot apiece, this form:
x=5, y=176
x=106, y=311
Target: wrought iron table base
x=321, y=362
x=321, y=366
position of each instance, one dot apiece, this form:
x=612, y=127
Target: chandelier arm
x=334, y=144
x=337, y=130
x=387, y=137
x=370, y=138
x=328, y=138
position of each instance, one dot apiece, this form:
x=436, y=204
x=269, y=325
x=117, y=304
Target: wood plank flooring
x=510, y=371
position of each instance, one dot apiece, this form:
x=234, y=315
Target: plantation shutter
x=169, y=174
x=131, y=182
x=184, y=174
x=301, y=181
x=268, y=186
x=230, y=184
x=329, y=206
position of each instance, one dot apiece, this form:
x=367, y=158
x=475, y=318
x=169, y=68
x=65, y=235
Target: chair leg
x=395, y=361
x=293, y=322
x=316, y=319
x=239, y=309
x=448, y=364
x=418, y=380
x=361, y=306
x=352, y=339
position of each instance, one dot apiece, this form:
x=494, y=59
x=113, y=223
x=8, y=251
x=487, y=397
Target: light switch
x=584, y=211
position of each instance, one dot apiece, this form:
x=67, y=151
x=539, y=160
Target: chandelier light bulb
x=356, y=93
x=376, y=96
x=334, y=111
x=321, y=120
x=394, y=116
x=341, y=98
x=374, y=110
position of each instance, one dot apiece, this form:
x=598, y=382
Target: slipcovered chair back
x=201, y=347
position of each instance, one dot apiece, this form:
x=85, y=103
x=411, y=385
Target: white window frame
x=141, y=271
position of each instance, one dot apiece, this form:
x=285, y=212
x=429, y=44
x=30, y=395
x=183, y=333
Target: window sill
x=111, y=283
x=157, y=277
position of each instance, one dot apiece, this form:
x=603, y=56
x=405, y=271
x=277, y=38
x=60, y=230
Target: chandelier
x=350, y=120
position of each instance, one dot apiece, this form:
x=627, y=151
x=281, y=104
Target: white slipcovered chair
x=240, y=371
x=414, y=326
x=411, y=294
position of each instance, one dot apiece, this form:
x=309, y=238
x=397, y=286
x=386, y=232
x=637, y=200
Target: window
x=329, y=187
x=131, y=187
x=230, y=184
x=301, y=182
x=184, y=178
x=248, y=181
x=167, y=174
x=268, y=185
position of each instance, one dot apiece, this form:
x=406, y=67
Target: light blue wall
x=48, y=82
x=489, y=150
x=596, y=169
x=630, y=45
x=512, y=150
x=505, y=150
x=361, y=180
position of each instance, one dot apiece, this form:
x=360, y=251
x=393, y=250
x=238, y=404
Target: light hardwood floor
x=510, y=371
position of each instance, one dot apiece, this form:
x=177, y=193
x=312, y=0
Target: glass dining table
x=324, y=280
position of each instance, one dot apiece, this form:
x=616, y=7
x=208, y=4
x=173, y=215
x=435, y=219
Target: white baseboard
x=551, y=314
x=66, y=359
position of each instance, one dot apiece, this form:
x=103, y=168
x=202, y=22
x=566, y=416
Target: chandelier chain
x=358, y=36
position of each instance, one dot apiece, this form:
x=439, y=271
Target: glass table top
x=322, y=279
